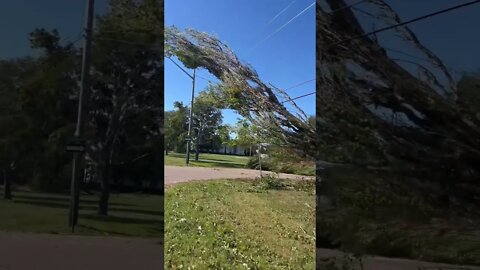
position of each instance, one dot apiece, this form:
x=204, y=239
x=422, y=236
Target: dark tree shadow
x=118, y=219
x=137, y=211
x=103, y=231
x=221, y=164
x=65, y=205
x=217, y=159
x=46, y=203
x=64, y=200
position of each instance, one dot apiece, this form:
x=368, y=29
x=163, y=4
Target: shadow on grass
x=124, y=220
x=221, y=164
x=176, y=155
x=64, y=200
x=209, y=159
x=66, y=205
x=103, y=231
x=218, y=159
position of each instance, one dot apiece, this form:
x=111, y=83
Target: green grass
x=135, y=215
x=239, y=224
x=207, y=160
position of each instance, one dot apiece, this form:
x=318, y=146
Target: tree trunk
x=7, y=186
x=197, y=148
x=225, y=149
x=197, y=153
x=105, y=189
x=166, y=151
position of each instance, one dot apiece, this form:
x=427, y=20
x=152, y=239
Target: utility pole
x=189, y=140
x=82, y=105
x=260, y=158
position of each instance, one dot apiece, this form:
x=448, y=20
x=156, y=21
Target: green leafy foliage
x=124, y=116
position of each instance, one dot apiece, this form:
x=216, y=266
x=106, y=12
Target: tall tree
x=176, y=128
x=206, y=120
x=225, y=138
x=12, y=120
x=245, y=135
x=127, y=84
x=46, y=96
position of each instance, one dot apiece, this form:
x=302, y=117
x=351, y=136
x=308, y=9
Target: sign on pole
x=75, y=145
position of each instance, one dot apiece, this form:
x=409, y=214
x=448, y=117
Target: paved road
x=376, y=263
x=177, y=174
x=24, y=251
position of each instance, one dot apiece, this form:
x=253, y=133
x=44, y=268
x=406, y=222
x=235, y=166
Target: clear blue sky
x=284, y=60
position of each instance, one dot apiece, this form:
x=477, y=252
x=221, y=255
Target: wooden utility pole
x=82, y=105
x=189, y=140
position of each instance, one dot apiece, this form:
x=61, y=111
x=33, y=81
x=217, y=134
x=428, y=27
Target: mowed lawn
x=207, y=160
x=135, y=215
x=222, y=224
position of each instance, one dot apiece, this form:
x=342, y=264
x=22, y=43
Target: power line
x=407, y=22
x=127, y=42
x=281, y=12
x=181, y=68
x=204, y=78
x=69, y=39
x=349, y=6
x=281, y=27
x=302, y=96
x=299, y=84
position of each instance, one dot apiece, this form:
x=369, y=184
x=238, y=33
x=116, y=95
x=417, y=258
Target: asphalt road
x=178, y=174
x=25, y=251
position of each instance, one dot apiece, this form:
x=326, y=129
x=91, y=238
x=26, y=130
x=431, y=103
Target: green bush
x=283, y=161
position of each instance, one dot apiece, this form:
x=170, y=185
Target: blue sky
x=285, y=59
x=20, y=17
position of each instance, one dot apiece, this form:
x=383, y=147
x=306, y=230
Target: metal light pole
x=189, y=140
x=82, y=103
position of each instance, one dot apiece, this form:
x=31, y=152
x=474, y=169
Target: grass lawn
x=207, y=160
x=239, y=224
x=135, y=215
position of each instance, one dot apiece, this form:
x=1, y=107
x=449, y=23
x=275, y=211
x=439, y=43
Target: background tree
x=39, y=102
x=206, y=120
x=245, y=135
x=12, y=119
x=47, y=98
x=176, y=127
x=127, y=85
x=225, y=138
